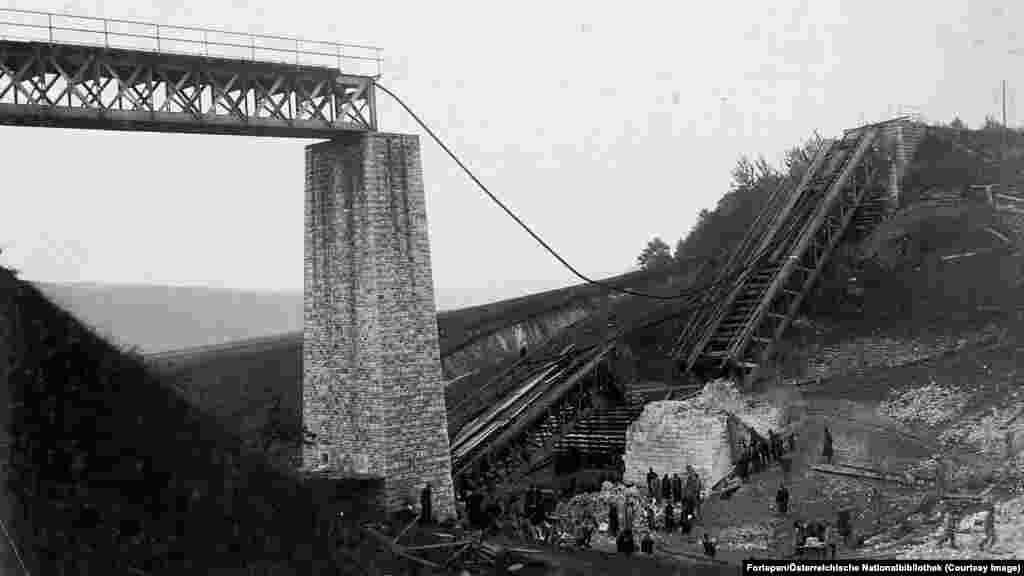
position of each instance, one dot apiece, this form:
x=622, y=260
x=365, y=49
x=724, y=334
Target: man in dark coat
x=827, y=449
x=613, y=520
x=666, y=487
x=743, y=465
x=530, y=501
x=426, y=506
x=782, y=499
x=475, y=509
x=709, y=545
x=670, y=517
x=626, y=543
x=652, y=481
x=699, y=496
x=677, y=488
x=647, y=544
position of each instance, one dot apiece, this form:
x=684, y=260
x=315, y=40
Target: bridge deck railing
x=54, y=28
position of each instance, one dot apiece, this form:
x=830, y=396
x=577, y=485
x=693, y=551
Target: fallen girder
x=837, y=190
x=522, y=430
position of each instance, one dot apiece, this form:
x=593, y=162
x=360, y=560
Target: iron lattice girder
x=112, y=89
x=812, y=260
x=820, y=223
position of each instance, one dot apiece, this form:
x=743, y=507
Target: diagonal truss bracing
x=838, y=190
x=94, y=87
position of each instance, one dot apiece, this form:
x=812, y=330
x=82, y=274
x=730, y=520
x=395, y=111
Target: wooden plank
x=824, y=468
x=398, y=550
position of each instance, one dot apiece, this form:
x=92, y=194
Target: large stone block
x=671, y=435
x=372, y=387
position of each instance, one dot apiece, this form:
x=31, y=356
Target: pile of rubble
x=930, y=405
x=756, y=413
x=598, y=503
x=749, y=537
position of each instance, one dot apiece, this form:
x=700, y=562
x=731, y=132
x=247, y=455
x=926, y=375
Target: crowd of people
x=759, y=453
x=673, y=505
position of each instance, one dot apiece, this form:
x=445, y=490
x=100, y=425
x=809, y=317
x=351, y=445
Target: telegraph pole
x=1004, y=105
x=1005, y=177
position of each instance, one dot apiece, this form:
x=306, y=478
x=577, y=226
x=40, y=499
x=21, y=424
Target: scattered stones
x=931, y=405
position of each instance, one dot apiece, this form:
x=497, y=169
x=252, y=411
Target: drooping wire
x=685, y=294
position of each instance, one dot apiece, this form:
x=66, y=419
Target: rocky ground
x=899, y=421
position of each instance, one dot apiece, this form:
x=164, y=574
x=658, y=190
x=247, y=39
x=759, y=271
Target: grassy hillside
x=113, y=472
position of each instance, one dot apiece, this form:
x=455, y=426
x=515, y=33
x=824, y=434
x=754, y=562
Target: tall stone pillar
x=372, y=387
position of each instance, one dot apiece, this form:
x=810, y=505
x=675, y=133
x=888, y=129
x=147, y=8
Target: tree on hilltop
x=679, y=255
x=656, y=254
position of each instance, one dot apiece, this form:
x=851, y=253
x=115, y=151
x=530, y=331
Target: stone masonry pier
x=372, y=385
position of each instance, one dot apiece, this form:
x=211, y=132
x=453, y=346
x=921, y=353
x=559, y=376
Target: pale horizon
x=600, y=127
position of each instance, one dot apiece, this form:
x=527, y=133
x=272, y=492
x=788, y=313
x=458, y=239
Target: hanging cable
x=688, y=293
x=14, y=547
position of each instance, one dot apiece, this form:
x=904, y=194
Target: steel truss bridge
x=96, y=73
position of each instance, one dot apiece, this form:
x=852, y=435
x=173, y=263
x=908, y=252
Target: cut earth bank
x=897, y=420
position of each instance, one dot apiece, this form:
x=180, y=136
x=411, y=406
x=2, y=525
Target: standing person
x=475, y=505
x=755, y=456
x=709, y=545
x=830, y=541
x=843, y=527
x=666, y=487
x=792, y=441
x=990, y=527
x=652, y=480
x=625, y=542
x=530, y=501
x=538, y=517
x=799, y=538
x=949, y=534
x=650, y=517
x=782, y=500
x=629, y=516
x=827, y=449
x=698, y=494
x=940, y=478
x=686, y=523
x=670, y=517
x=613, y=520
x=426, y=507
x=743, y=466
x=647, y=544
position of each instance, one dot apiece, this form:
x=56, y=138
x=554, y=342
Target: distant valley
x=161, y=318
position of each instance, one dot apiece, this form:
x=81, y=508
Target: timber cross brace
x=114, y=89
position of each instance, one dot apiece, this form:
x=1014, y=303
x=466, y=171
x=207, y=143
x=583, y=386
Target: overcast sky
x=601, y=124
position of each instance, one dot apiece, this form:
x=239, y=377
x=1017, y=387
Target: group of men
x=759, y=453
x=674, y=489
